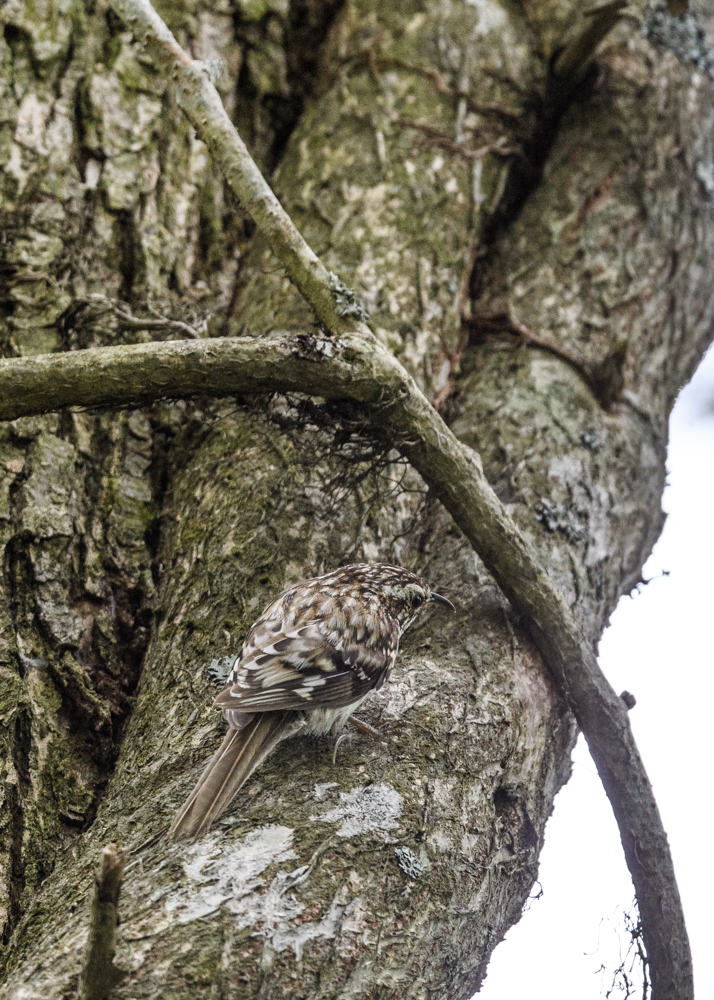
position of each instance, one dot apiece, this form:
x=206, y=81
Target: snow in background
x=658, y=646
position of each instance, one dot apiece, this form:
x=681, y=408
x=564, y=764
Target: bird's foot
x=364, y=727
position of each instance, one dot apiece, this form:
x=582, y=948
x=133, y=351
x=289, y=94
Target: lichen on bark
x=456, y=706
x=104, y=193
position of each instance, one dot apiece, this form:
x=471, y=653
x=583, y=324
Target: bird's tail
x=241, y=752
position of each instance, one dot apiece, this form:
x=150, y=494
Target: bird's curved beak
x=438, y=599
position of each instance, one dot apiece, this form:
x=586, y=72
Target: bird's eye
x=417, y=600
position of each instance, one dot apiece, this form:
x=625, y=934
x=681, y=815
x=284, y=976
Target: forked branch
x=353, y=364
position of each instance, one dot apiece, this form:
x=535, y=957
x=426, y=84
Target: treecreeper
x=306, y=664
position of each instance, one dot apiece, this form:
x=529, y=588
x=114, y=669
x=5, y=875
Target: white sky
x=659, y=646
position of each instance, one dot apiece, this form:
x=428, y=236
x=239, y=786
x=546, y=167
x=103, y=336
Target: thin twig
x=603, y=378
x=445, y=141
x=131, y=322
x=382, y=63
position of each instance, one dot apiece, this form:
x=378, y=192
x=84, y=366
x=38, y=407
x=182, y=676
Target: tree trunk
x=538, y=256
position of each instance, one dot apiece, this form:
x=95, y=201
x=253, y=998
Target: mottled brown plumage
x=306, y=664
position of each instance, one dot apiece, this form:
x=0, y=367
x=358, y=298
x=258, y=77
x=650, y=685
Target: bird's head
x=404, y=593
x=409, y=599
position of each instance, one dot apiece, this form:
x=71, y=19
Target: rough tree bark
x=544, y=277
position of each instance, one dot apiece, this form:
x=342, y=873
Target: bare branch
x=136, y=375
x=99, y=975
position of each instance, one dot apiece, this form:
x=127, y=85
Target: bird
x=308, y=661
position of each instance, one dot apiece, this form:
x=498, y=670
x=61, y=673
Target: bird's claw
x=337, y=743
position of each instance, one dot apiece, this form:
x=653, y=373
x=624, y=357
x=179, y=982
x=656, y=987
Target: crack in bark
x=22, y=745
x=604, y=379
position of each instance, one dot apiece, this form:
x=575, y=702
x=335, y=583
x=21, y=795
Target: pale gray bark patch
x=216, y=876
x=681, y=35
x=363, y=810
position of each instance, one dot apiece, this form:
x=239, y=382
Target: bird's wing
x=299, y=667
